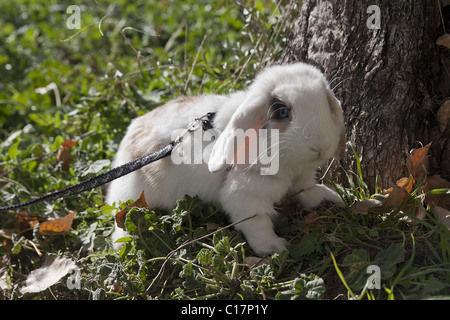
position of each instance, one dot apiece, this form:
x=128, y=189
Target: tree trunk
x=387, y=74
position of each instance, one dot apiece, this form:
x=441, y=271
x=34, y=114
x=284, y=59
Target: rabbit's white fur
x=312, y=134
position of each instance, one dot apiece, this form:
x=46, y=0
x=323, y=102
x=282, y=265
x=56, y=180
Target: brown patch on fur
x=136, y=141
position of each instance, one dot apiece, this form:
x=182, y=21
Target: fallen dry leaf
x=417, y=162
x=406, y=183
x=51, y=271
x=56, y=226
x=122, y=215
x=442, y=215
x=395, y=199
x=387, y=191
x=25, y=221
x=443, y=117
x=363, y=207
x=312, y=218
x=444, y=40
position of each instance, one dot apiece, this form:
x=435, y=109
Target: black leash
x=115, y=173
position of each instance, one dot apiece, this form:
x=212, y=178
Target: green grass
x=126, y=59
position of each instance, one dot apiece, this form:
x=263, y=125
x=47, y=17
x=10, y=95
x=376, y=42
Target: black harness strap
x=101, y=179
x=114, y=173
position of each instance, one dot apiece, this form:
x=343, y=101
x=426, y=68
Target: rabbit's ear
x=249, y=115
x=336, y=111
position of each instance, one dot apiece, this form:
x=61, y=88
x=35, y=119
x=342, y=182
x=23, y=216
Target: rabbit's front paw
x=267, y=246
x=312, y=197
x=260, y=235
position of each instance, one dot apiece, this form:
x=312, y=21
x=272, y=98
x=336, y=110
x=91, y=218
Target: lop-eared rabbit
x=303, y=127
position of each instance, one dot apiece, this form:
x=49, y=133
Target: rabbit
x=294, y=99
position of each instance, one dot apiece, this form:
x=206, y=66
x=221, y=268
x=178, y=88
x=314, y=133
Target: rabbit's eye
x=279, y=111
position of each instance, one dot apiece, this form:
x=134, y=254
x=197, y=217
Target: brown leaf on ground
x=417, y=162
x=363, y=207
x=407, y=183
x=313, y=218
x=387, y=191
x=25, y=221
x=442, y=215
x=443, y=117
x=444, y=40
x=122, y=215
x=395, y=199
x=51, y=271
x=56, y=226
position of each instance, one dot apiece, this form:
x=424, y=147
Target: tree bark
x=389, y=80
